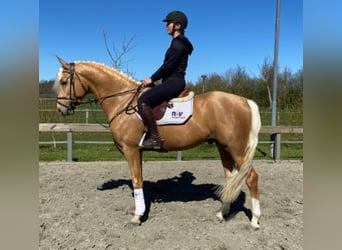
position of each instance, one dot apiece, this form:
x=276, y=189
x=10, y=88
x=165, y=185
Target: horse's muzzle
x=65, y=112
x=65, y=109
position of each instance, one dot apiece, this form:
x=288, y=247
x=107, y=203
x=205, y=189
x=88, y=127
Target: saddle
x=159, y=110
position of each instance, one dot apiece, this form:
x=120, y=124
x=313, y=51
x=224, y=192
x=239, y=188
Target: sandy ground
x=88, y=205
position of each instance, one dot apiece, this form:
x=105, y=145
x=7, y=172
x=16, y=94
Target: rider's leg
x=153, y=141
x=169, y=89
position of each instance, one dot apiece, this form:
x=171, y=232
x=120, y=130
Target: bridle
x=76, y=100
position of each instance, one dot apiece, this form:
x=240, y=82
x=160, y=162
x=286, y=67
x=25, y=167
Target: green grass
x=108, y=152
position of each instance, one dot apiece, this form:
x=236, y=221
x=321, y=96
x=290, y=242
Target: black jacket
x=176, y=59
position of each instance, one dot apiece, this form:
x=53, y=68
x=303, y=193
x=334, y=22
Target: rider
x=171, y=72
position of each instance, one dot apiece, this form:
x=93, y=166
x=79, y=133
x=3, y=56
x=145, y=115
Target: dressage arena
x=88, y=205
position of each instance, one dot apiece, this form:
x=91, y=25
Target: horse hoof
x=136, y=220
x=255, y=227
x=255, y=224
x=220, y=216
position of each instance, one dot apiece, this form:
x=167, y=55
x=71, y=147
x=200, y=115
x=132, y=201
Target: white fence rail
x=81, y=127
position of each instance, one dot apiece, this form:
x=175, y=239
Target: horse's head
x=69, y=87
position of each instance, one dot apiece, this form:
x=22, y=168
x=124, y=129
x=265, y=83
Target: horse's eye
x=63, y=82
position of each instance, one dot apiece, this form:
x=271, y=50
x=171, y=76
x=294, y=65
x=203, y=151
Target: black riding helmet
x=177, y=17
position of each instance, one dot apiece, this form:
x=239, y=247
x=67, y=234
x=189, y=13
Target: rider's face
x=169, y=27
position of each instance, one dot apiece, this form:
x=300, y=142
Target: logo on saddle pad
x=177, y=115
x=176, y=111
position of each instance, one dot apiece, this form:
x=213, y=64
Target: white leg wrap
x=256, y=212
x=139, y=201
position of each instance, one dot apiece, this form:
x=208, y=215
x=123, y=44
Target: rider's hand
x=146, y=82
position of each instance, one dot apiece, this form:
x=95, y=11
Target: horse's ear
x=63, y=63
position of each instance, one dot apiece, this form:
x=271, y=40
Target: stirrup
x=155, y=143
x=152, y=143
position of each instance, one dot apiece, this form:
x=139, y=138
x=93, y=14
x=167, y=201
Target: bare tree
x=267, y=75
x=118, y=54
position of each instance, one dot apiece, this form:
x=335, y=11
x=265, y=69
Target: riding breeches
x=163, y=92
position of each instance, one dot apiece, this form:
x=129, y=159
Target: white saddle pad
x=179, y=113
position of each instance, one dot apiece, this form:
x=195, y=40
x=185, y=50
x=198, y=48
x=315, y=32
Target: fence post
x=179, y=155
x=69, y=146
x=87, y=116
x=275, y=146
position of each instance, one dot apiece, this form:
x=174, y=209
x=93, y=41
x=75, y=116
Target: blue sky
x=224, y=33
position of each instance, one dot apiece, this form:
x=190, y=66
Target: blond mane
x=110, y=70
x=103, y=66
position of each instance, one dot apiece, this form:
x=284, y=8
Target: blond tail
x=231, y=189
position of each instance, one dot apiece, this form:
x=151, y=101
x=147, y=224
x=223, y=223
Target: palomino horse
x=232, y=121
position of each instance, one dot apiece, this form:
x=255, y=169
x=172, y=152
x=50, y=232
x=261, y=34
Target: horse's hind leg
x=252, y=183
x=229, y=169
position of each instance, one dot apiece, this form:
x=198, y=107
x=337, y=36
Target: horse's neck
x=105, y=82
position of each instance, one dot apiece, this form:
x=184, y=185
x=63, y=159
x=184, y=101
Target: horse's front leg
x=134, y=158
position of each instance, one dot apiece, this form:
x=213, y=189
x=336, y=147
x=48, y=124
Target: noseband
x=74, y=99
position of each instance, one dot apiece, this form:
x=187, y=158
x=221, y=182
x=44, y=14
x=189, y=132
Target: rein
x=129, y=108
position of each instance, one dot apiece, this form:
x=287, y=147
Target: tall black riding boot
x=153, y=141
